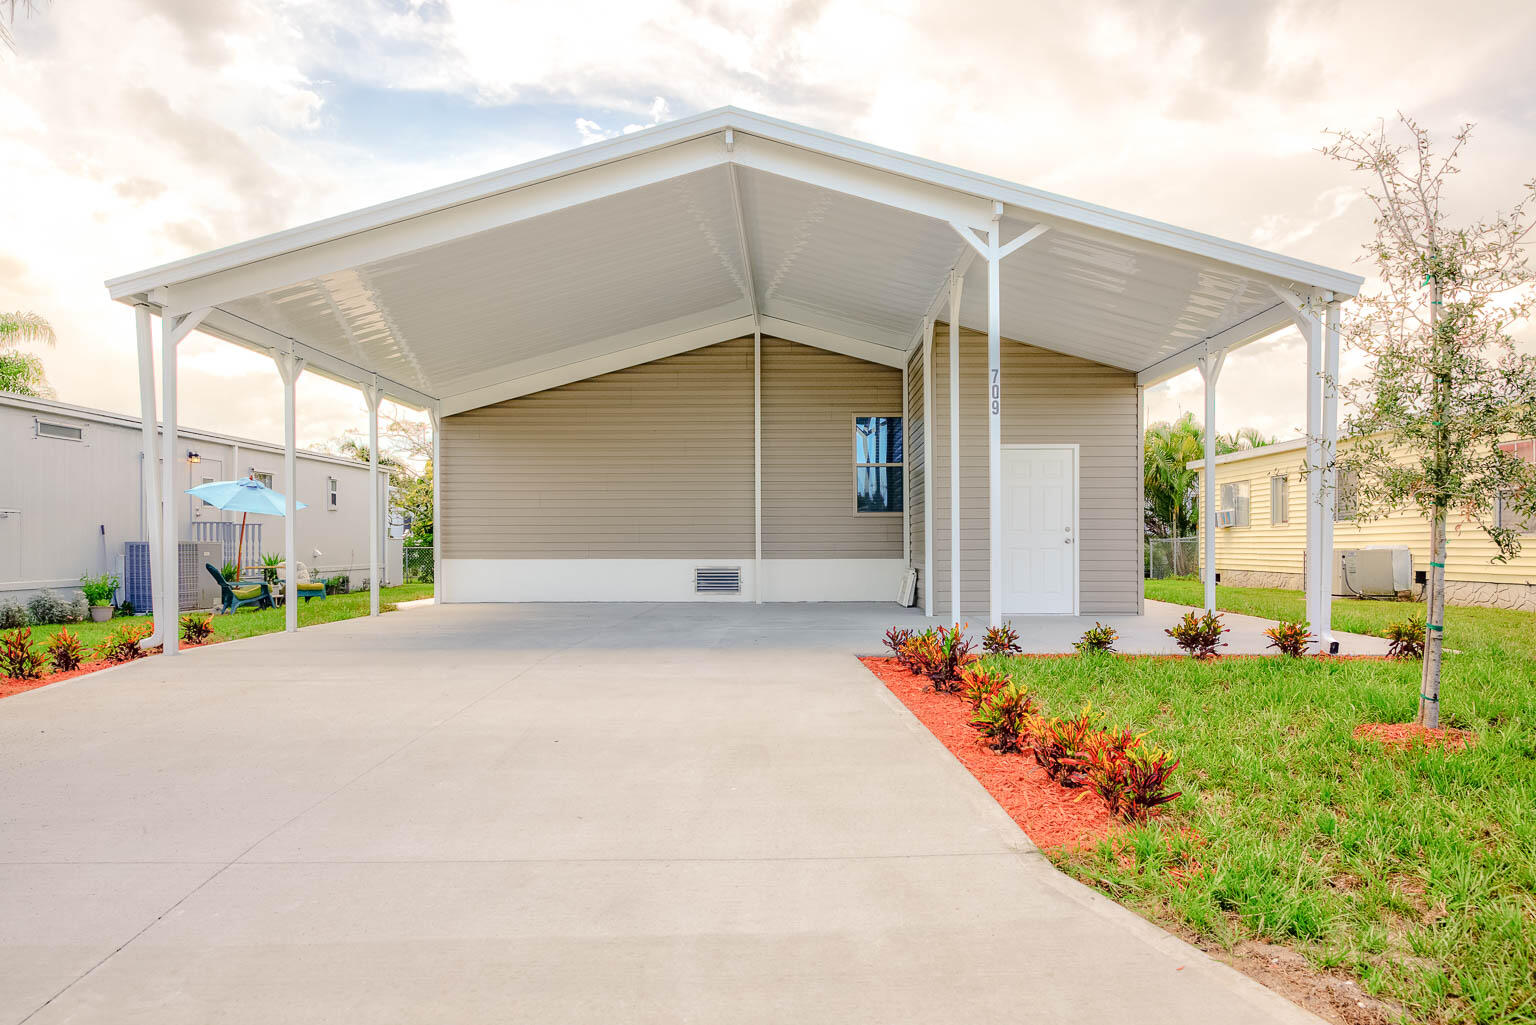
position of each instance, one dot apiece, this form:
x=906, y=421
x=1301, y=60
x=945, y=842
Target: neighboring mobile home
x=1263, y=493
x=731, y=358
x=72, y=496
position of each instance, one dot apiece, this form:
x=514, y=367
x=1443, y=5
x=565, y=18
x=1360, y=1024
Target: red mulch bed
x=1052, y=816
x=1411, y=734
x=10, y=685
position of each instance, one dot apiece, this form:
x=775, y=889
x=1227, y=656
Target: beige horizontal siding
x=1047, y=398
x=650, y=462
x=810, y=398
x=1267, y=547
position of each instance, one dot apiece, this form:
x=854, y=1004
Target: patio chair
x=258, y=595
x=309, y=587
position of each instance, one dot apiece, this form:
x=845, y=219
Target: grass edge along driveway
x=1414, y=872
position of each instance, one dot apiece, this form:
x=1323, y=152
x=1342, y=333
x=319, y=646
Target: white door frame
x=1077, y=534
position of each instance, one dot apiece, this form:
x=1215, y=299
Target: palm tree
x=1170, y=483
x=22, y=372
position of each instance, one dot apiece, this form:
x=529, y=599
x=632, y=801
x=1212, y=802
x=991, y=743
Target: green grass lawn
x=1413, y=871
x=250, y=622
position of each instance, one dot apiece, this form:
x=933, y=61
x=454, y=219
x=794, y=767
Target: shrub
x=1060, y=745
x=229, y=571
x=1146, y=782
x=1006, y=717
x=79, y=609
x=1097, y=638
x=125, y=608
x=99, y=590
x=341, y=583
x=13, y=615
x=1407, y=639
x=1105, y=764
x=270, y=573
x=895, y=639
x=196, y=627
x=1001, y=640
x=951, y=651
x=122, y=644
x=19, y=659
x=919, y=652
x=1289, y=638
x=1199, y=636
x=65, y=651
x=48, y=606
x=979, y=684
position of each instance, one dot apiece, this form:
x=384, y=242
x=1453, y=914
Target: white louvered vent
x=717, y=580
x=63, y=432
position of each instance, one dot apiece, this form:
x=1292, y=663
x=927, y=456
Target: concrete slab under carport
x=541, y=813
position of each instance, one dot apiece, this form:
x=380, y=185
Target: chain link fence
x=1172, y=557
x=418, y=564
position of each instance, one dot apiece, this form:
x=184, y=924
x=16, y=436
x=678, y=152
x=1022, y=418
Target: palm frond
x=20, y=327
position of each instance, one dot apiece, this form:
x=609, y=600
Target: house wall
x=1269, y=554
x=1047, y=398
x=917, y=482
x=70, y=505
x=617, y=487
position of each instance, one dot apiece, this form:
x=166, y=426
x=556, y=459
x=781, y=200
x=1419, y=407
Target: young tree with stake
x=1445, y=382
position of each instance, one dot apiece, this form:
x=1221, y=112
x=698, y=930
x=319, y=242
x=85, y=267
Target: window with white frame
x=1279, y=500
x=1232, y=509
x=1507, y=516
x=264, y=479
x=1346, y=503
x=330, y=493
x=878, y=464
x=57, y=431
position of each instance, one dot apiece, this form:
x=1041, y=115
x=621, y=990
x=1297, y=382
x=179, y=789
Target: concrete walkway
x=541, y=814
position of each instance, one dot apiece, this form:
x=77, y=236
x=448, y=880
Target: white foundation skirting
x=517, y=580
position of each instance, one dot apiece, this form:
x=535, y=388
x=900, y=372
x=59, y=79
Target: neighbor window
x=878, y=456
x=1279, y=500
x=330, y=493
x=1347, y=501
x=1234, y=499
x=1507, y=517
x=59, y=432
x=264, y=479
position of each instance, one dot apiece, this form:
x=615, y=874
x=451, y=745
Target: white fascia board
x=1260, y=325
x=412, y=234
x=606, y=361
x=831, y=341
x=1294, y=445
x=230, y=328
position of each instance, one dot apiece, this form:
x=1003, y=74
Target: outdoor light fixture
x=193, y=457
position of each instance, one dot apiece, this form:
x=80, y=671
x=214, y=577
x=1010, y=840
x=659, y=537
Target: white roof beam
x=749, y=284
x=832, y=341
x=284, y=266
x=1260, y=325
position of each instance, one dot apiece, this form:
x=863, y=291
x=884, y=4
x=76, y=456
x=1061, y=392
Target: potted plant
x=99, y=591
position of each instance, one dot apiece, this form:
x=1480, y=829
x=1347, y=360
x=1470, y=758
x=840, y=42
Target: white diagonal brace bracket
x=1023, y=240
x=969, y=234
x=181, y=325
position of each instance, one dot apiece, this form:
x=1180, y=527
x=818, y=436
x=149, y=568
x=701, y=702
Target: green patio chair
x=258, y=595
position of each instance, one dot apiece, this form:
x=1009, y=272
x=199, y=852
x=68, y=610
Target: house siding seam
x=1047, y=398
x=810, y=397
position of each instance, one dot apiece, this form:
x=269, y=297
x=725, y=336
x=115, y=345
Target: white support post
x=757, y=466
x=167, y=578
x=438, y=590
x=372, y=395
x=144, y=330
x=994, y=425
x=928, y=482
x=1322, y=627
x=1319, y=575
x=956, y=286
x=289, y=367
x=1141, y=524
x=1210, y=369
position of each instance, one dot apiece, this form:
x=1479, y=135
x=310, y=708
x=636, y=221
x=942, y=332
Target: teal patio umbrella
x=245, y=496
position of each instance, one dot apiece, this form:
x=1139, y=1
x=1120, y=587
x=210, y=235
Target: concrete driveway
x=541, y=814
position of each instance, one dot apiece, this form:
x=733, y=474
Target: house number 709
x=997, y=393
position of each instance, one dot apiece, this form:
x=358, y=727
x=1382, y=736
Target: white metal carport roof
x=705, y=229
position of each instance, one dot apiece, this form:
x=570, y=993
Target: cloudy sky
x=133, y=132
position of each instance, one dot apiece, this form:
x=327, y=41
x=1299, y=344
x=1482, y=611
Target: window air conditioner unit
x=1226, y=517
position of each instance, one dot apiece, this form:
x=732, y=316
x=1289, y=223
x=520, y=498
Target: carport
x=727, y=226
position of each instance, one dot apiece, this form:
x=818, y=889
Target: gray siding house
x=735, y=359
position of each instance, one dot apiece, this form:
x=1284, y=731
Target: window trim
x=1245, y=500
x=332, y=493
x=1283, y=506
x=1346, y=479
x=38, y=423
x=262, y=477
x=853, y=432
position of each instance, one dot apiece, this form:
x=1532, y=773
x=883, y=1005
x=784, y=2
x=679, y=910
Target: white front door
x=1039, y=530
